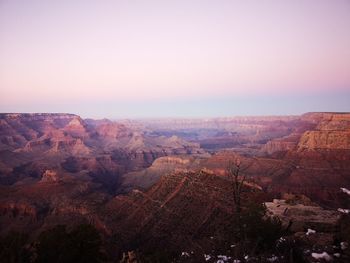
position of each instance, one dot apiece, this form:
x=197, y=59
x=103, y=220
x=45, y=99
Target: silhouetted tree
x=237, y=183
x=253, y=230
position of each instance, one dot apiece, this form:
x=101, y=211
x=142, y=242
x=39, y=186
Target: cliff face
x=325, y=139
x=289, y=142
x=332, y=132
x=320, y=117
x=281, y=145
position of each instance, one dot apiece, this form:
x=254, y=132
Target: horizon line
x=172, y=117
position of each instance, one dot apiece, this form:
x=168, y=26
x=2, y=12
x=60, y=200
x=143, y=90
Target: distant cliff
x=332, y=132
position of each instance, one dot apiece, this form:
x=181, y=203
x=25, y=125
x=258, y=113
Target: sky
x=183, y=58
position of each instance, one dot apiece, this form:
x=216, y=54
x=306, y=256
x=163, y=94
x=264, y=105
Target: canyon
x=147, y=182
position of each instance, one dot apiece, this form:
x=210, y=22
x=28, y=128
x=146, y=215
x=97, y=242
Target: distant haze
x=174, y=58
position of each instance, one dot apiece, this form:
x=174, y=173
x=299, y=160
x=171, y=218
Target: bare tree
x=237, y=182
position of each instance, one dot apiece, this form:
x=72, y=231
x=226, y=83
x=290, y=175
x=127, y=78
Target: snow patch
x=345, y=211
x=223, y=257
x=185, y=254
x=344, y=190
x=310, y=231
x=344, y=245
x=272, y=259
x=323, y=255
x=207, y=257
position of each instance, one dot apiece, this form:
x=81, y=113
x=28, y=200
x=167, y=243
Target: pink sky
x=83, y=51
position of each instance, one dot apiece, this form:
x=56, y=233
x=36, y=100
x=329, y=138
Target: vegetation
x=82, y=244
x=237, y=183
x=13, y=248
x=56, y=245
x=262, y=230
x=252, y=230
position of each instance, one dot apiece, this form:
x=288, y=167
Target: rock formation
x=142, y=183
x=300, y=218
